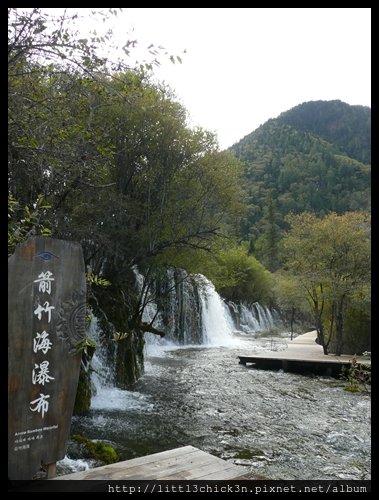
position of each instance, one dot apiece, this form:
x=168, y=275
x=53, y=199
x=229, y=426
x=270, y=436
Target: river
x=278, y=425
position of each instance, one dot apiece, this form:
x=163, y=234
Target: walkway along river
x=279, y=425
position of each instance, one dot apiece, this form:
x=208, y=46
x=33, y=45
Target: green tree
x=267, y=249
x=241, y=277
x=331, y=259
x=289, y=295
x=24, y=221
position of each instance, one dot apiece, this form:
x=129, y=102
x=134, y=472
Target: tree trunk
x=292, y=320
x=320, y=334
x=339, y=327
x=331, y=327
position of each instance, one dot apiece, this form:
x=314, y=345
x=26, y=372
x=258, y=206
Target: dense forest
x=297, y=163
x=99, y=154
x=348, y=127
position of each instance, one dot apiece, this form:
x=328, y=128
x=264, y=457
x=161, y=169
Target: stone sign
x=46, y=320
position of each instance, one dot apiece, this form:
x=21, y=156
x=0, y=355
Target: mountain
x=314, y=157
x=349, y=127
x=302, y=164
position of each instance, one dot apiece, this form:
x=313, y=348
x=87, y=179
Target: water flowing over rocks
x=194, y=392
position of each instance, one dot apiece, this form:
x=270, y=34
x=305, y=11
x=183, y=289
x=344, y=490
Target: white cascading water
x=252, y=319
x=248, y=321
x=218, y=319
x=102, y=373
x=105, y=394
x=265, y=317
x=217, y=327
x=217, y=322
x=68, y=465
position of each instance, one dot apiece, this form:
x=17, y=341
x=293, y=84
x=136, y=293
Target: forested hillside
x=299, y=162
x=348, y=127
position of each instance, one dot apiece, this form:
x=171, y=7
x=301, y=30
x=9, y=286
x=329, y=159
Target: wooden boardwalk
x=187, y=463
x=302, y=355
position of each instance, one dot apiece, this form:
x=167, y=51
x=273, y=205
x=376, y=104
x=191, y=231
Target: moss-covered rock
x=96, y=449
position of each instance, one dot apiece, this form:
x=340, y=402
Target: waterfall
x=104, y=394
x=174, y=301
x=178, y=300
x=190, y=312
x=252, y=319
x=265, y=317
x=217, y=321
x=103, y=375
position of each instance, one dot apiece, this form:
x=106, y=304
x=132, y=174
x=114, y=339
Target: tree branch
x=146, y=327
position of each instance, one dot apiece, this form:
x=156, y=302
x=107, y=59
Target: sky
x=243, y=66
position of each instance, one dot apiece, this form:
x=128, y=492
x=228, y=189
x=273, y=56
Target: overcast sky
x=244, y=66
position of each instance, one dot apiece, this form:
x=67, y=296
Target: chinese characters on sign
x=41, y=342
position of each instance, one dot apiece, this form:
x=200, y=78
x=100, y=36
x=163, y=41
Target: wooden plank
x=261, y=359
x=187, y=462
x=157, y=468
x=215, y=469
x=183, y=450
x=234, y=472
x=303, y=354
x=104, y=470
x=177, y=467
x=329, y=368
